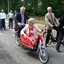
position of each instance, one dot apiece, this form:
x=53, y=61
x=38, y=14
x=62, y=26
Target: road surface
x=10, y=53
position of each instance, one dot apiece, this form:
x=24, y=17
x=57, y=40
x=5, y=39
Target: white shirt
x=10, y=15
x=2, y=15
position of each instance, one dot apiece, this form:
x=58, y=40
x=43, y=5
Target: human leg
x=19, y=29
x=9, y=23
x=48, y=36
x=40, y=37
x=3, y=24
x=56, y=28
x=12, y=23
x=0, y=25
x=59, y=43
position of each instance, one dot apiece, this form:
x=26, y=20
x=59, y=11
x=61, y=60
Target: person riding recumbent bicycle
x=31, y=38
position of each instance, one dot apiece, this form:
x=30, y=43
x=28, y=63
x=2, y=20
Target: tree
x=34, y=7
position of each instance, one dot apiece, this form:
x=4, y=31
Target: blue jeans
x=0, y=24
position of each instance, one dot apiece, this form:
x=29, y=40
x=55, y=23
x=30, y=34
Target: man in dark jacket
x=61, y=33
x=21, y=18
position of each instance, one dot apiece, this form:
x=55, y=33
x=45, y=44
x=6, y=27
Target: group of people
x=27, y=29
x=7, y=17
x=20, y=25
x=51, y=23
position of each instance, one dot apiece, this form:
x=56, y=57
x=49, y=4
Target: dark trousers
x=49, y=33
x=59, y=41
x=19, y=28
x=11, y=23
x=3, y=24
x=0, y=24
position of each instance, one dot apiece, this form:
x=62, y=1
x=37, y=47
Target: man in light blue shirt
x=22, y=21
x=21, y=18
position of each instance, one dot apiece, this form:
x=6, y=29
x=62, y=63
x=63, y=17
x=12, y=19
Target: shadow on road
x=32, y=54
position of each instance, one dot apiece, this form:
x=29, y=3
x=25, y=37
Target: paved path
x=10, y=53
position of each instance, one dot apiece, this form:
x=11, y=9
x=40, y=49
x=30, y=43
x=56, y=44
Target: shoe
x=58, y=50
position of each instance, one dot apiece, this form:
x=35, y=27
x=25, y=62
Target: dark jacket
x=61, y=24
x=18, y=18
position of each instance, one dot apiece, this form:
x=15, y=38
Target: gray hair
x=22, y=8
x=31, y=20
x=49, y=8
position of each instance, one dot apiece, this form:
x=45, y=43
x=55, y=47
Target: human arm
x=38, y=29
x=23, y=31
x=47, y=20
x=18, y=19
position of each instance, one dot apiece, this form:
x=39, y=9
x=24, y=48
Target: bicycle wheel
x=43, y=56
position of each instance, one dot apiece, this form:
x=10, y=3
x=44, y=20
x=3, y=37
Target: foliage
x=34, y=7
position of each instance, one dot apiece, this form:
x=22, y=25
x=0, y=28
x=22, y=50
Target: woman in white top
x=31, y=29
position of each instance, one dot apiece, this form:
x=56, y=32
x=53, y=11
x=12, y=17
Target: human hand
x=19, y=24
x=63, y=27
x=31, y=32
x=51, y=25
x=25, y=36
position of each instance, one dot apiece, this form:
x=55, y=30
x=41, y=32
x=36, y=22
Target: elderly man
x=51, y=24
x=21, y=18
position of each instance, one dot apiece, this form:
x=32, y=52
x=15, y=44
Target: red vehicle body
x=35, y=44
x=29, y=41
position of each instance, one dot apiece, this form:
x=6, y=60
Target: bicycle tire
x=43, y=56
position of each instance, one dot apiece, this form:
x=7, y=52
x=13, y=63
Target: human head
x=31, y=21
x=49, y=9
x=2, y=10
x=22, y=9
x=10, y=11
x=14, y=11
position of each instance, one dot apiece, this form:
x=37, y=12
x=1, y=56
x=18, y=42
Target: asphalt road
x=10, y=53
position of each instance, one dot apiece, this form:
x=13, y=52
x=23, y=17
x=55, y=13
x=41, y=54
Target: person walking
x=51, y=23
